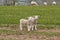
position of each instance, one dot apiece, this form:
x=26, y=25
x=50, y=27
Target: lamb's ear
x=29, y=17
x=39, y=16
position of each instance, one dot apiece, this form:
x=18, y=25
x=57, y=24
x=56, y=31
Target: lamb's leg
x=28, y=28
x=32, y=27
x=35, y=27
x=21, y=27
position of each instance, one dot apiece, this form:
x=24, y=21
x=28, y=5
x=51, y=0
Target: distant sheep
x=16, y=3
x=45, y=3
x=54, y=3
x=34, y=3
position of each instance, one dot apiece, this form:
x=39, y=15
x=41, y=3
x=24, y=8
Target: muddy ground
x=29, y=36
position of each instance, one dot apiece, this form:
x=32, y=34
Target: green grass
x=49, y=16
x=12, y=14
x=11, y=32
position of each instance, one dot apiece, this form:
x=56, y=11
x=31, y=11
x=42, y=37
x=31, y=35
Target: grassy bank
x=12, y=14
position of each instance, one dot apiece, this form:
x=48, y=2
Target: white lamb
x=23, y=22
x=33, y=22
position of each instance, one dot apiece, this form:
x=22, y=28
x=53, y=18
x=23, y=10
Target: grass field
x=48, y=22
x=12, y=14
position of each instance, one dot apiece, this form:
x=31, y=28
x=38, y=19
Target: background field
x=12, y=14
x=48, y=22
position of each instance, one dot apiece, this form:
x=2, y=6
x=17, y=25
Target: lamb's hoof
x=21, y=29
x=28, y=30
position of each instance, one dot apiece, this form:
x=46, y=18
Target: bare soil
x=30, y=37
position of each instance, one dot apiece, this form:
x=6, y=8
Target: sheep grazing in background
x=34, y=3
x=45, y=3
x=31, y=22
x=16, y=3
x=54, y=3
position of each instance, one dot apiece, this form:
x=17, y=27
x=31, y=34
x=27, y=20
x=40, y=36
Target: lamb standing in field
x=33, y=22
x=23, y=22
